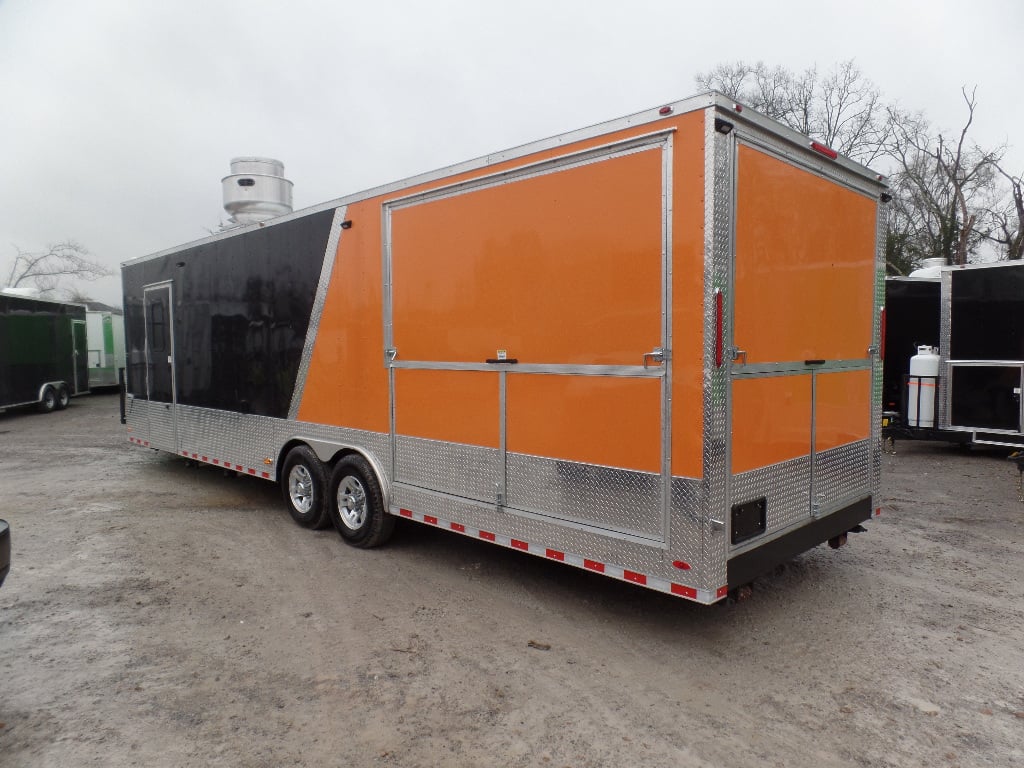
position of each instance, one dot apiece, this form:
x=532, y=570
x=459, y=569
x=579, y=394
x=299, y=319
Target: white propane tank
x=924, y=376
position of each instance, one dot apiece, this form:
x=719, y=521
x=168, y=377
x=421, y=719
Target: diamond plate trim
x=719, y=210
x=843, y=474
x=687, y=521
x=945, y=329
x=565, y=536
x=615, y=499
x=462, y=470
x=875, y=448
x=786, y=486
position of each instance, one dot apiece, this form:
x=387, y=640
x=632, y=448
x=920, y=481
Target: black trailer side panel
x=37, y=347
x=987, y=313
x=913, y=318
x=241, y=309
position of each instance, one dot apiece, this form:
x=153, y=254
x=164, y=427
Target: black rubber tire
x=304, y=486
x=48, y=402
x=63, y=397
x=356, y=505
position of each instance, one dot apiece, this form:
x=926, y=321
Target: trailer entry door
x=801, y=395
x=160, y=363
x=80, y=344
x=526, y=314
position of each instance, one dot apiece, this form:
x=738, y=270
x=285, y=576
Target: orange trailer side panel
x=796, y=305
x=561, y=268
x=688, y=297
x=591, y=419
x=843, y=408
x=347, y=383
x=771, y=421
x=451, y=406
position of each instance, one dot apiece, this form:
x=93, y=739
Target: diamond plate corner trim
x=319, y=300
x=945, y=330
x=719, y=195
x=875, y=446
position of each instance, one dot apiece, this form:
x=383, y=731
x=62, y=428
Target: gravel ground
x=161, y=615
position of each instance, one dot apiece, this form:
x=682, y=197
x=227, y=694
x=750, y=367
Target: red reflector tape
x=405, y=513
x=554, y=554
x=196, y=456
x=593, y=565
x=636, y=578
x=238, y=467
x=252, y=471
x=205, y=459
x=487, y=536
x=722, y=591
x=429, y=520
x=458, y=527
x=517, y=544
x=679, y=589
x=263, y=474
x=216, y=461
x=878, y=512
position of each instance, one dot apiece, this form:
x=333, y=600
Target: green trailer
x=43, y=357
x=105, y=334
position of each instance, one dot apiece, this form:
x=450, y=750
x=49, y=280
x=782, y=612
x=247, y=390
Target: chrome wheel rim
x=300, y=488
x=352, y=502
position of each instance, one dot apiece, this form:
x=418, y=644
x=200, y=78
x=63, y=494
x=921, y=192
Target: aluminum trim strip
x=610, y=151
x=629, y=371
x=762, y=370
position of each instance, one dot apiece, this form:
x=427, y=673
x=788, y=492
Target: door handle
x=656, y=355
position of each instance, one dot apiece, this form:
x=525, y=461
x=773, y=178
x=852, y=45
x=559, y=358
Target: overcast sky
x=118, y=118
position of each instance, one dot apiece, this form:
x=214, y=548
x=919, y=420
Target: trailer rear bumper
x=744, y=568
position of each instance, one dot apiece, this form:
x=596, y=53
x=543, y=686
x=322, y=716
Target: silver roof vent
x=256, y=190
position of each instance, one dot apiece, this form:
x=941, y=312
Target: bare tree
x=840, y=108
x=1007, y=219
x=47, y=268
x=942, y=187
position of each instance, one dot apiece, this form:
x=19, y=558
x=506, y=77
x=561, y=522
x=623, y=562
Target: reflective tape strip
x=220, y=463
x=616, y=572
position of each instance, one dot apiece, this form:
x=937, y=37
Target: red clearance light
x=823, y=150
x=878, y=512
x=719, y=330
x=881, y=330
x=738, y=107
x=681, y=565
x=665, y=111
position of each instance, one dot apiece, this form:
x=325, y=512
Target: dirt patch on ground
x=160, y=615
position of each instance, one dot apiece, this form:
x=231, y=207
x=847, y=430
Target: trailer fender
x=56, y=388
x=329, y=452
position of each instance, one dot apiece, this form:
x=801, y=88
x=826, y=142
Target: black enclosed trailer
x=912, y=320
x=979, y=320
x=42, y=352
